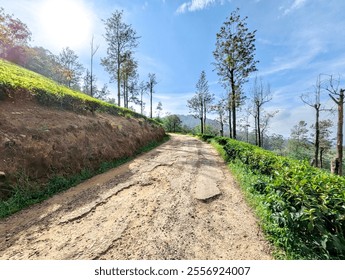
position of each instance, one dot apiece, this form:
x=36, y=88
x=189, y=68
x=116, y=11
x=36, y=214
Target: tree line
x=235, y=61
x=66, y=69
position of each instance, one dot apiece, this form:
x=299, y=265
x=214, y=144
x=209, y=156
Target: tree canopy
x=121, y=39
x=234, y=59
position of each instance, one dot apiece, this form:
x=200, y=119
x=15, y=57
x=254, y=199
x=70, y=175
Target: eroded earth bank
x=149, y=208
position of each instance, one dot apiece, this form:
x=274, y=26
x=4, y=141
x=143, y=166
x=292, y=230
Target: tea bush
x=48, y=92
x=305, y=206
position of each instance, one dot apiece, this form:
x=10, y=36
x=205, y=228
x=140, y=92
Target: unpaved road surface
x=146, y=209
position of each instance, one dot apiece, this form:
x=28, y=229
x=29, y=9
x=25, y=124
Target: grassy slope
x=48, y=92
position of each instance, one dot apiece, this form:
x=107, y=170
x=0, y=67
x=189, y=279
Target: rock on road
x=178, y=201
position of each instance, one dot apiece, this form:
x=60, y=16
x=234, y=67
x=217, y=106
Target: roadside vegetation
x=301, y=207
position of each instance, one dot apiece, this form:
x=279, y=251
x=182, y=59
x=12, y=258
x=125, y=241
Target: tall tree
x=234, y=57
x=201, y=102
x=142, y=89
x=220, y=109
x=102, y=93
x=264, y=124
x=298, y=142
x=93, y=52
x=208, y=98
x=261, y=95
x=338, y=96
x=172, y=123
x=121, y=39
x=150, y=85
x=159, y=109
x=129, y=77
x=325, y=140
x=72, y=70
x=89, y=84
x=14, y=38
x=314, y=100
x=196, y=109
x=276, y=143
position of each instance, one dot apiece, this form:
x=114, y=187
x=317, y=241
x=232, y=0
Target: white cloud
x=297, y=4
x=194, y=5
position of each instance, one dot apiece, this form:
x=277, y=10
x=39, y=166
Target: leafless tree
x=261, y=95
x=313, y=100
x=265, y=123
x=337, y=95
x=220, y=109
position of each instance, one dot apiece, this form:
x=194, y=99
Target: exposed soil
x=39, y=142
x=146, y=209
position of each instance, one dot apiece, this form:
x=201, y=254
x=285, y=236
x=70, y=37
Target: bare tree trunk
x=230, y=126
x=337, y=164
x=141, y=103
x=256, y=130
x=201, y=125
x=124, y=92
x=258, y=127
x=118, y=85
x=91, y=77
x=204, y=113
x=93, y=52
x=151, y=102
x=221, y=128
x=262, y=139
x=340, y=131
x=233, y=104
x=233, y=116
x=317, y=135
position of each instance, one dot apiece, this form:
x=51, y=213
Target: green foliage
x=48, y=92
x=172, y=123
x=234, y=59
x=208, y=130
x=304, y=207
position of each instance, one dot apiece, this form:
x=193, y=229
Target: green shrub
x=50, y=93
x=305, y=205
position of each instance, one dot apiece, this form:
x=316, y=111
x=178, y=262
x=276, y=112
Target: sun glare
x=65, y=23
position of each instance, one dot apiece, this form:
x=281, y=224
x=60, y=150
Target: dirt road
x=149, y=208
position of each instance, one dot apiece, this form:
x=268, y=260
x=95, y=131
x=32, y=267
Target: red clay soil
x=40, y=141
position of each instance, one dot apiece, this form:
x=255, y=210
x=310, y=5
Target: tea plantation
x=302, y=208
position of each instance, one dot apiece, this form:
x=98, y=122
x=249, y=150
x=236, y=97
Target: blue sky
x=296, y=40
